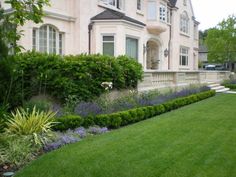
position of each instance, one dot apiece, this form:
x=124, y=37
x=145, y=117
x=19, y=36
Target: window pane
x=43, y=39
x=132, y=47
x=60, y=44
x=108, y=38
x=34, y=39
x=108, y=49
x=139, y=4
x=152, y=10
x=162, y=13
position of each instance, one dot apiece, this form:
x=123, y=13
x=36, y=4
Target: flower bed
x=115, y=120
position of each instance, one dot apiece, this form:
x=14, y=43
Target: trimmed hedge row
x=28, y=74
x=115, y=120
x=231, y=86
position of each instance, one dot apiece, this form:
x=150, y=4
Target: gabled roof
x=173, y=2
x=109, y=14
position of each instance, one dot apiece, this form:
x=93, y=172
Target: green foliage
x=22, y=11
x=133, y=73
x=37, y=124
x=65, y=78
x=231, y=86
x=40, y=104
x=221, y=41
x=3, y=117
x=68, y=122
x=16, y=150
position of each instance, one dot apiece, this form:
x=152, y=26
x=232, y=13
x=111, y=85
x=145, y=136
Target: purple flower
x=86, y=109
x=61, y=141
x=97, y=130
x=81, y=132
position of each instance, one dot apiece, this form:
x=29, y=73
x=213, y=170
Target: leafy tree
x=221, y=41
x=22, y=11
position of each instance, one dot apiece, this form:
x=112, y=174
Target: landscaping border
x=118, y=119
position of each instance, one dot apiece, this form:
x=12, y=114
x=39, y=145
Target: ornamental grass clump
x=37, y=124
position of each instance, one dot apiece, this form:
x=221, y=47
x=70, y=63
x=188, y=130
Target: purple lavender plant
x=81, y=131
x=85, y=109
x=61, y=141
x=97, y=130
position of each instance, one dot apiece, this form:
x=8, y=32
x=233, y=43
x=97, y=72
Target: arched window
x=48, y=39
x=184, y=23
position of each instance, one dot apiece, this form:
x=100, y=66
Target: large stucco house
x=162, y=35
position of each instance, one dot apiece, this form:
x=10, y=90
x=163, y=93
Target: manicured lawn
x=198, y=140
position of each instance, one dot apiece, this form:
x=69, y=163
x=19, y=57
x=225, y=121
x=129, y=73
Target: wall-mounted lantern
x=166, y=52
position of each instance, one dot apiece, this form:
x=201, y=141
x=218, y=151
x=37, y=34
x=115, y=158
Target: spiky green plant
x=35, y=123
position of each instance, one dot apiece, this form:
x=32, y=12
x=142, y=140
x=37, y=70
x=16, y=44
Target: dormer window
x=113, y=3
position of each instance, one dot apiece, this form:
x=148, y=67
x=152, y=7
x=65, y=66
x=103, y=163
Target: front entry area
x=152, y=60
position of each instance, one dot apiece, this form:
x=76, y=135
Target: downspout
x=170, y=36
x=90, y=27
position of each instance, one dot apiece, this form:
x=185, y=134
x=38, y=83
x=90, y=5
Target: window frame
x=163, y=13
x=183, y=55
x=58, y=48
x=184, y=23
x=113, y=4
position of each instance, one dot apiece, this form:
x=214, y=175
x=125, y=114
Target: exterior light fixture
x=166, y=52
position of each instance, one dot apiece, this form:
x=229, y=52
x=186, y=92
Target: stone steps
x=218, y=88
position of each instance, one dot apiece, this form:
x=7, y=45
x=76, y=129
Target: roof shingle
x=109, y=14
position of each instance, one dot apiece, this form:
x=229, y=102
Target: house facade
x=160, y=34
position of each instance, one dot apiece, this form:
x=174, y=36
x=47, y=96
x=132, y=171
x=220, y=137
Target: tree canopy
x=221, y=41
x=21, y=11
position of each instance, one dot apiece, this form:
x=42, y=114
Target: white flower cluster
x=107, y=85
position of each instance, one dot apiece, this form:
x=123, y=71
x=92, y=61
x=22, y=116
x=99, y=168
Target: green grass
x=198, y=140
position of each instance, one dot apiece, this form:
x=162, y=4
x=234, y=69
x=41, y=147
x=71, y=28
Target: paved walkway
x=232, y=92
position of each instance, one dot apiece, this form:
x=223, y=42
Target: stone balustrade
x=163, y=79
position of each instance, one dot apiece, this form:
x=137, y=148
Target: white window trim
x=140, y=11
x=37, y=47
x=108, y=34
x=105, y=4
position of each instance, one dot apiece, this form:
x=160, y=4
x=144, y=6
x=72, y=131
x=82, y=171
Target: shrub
x=39, y=104
x=68, y=122
x=3, y=117
x=64, y=76
x=231, y=86
x=17, y=150
x=37, y=124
